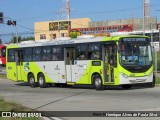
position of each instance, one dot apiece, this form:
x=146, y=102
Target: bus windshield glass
x=135, y=53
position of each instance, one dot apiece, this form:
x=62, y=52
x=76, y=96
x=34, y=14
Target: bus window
x=94, y=51
x=27, y=54
x=36, y=54
x=11, y=55
x=56, y=54
x=46, y=54
x=81, y=52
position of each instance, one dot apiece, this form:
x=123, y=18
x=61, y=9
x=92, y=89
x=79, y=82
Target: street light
x=14, y=24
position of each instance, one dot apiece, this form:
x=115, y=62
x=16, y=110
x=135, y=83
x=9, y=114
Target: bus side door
x=70, y=66
x=19, y=57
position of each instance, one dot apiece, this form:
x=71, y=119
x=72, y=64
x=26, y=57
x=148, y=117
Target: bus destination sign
x=134, y=39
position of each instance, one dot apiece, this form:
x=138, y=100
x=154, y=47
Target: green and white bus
x=122, y=60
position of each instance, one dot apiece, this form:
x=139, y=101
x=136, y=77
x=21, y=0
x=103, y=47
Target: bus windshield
x=135, y=54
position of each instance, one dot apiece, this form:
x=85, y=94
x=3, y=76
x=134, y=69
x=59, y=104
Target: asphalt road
x=82, y=98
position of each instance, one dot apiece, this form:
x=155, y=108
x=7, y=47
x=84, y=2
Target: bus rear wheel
x=31, y=81
x=41, y=81
x=98, y=85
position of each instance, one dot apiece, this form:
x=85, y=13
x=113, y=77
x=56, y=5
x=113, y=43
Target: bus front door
x=109, y=61
x=19, y=54
x=70, y=67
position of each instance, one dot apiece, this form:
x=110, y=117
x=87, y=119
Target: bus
x=2, y=54
x=123, y=60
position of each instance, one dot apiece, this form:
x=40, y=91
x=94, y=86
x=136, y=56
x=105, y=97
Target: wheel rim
x=97, y=82
x=31, y=80
x=41, y=80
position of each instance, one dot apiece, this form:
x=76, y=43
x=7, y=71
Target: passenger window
x=28, y=54
x=46, y=54
x=94, y=51
x=36, y=54
x=56, y=54
x=81, y=52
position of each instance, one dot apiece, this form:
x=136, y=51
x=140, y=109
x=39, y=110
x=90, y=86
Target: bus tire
x=97, y=80
x=31, y=81
x=126, y=86
x=153, y=83
x=41, y=81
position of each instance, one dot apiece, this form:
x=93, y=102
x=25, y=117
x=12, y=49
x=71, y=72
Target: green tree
x=14, y=39
x=74, y=34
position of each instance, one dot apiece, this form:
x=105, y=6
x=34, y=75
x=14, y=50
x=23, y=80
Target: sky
x=27, y=12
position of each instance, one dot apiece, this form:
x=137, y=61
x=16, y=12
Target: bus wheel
x=98, y=85
x=152, y=84
x=41, y=81
x=126, y=86
x=31, y=81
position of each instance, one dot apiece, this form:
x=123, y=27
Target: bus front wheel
x=31, y=81
x=153, y=83
x=98, y=85
x=41, y=81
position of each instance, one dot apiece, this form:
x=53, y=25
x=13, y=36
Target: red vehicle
x=2, y=54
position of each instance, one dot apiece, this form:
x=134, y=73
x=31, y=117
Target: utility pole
x=143, y=17
x=68, y=9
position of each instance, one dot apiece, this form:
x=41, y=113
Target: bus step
x=70, y=83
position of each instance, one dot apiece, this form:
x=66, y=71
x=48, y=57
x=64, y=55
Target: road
x=2, y=69
x=82, y=98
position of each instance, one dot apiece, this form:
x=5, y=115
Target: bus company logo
x=26, y=67
x=57, y=67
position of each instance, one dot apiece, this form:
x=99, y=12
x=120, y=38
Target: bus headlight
x=124, y=75
x=150, y=74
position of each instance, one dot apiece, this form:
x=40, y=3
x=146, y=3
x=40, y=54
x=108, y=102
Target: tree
x=14, y=39
x=74, y=33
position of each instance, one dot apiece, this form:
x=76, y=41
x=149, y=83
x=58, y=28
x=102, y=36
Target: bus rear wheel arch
x=97, y=82
x=31, y=80
x=41, y=81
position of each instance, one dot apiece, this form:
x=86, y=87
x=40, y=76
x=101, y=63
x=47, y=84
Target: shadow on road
x=139, y=86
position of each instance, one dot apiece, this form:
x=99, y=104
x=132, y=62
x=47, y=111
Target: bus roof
x=68, y=41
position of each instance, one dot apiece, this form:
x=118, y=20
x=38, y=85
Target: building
x=59, y=28
x=53, y=29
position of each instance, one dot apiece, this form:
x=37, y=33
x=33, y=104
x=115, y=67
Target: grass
x=158, y=81
x=11, y=106
x=158, y=60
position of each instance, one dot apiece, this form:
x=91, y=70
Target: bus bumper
x=135, y=80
